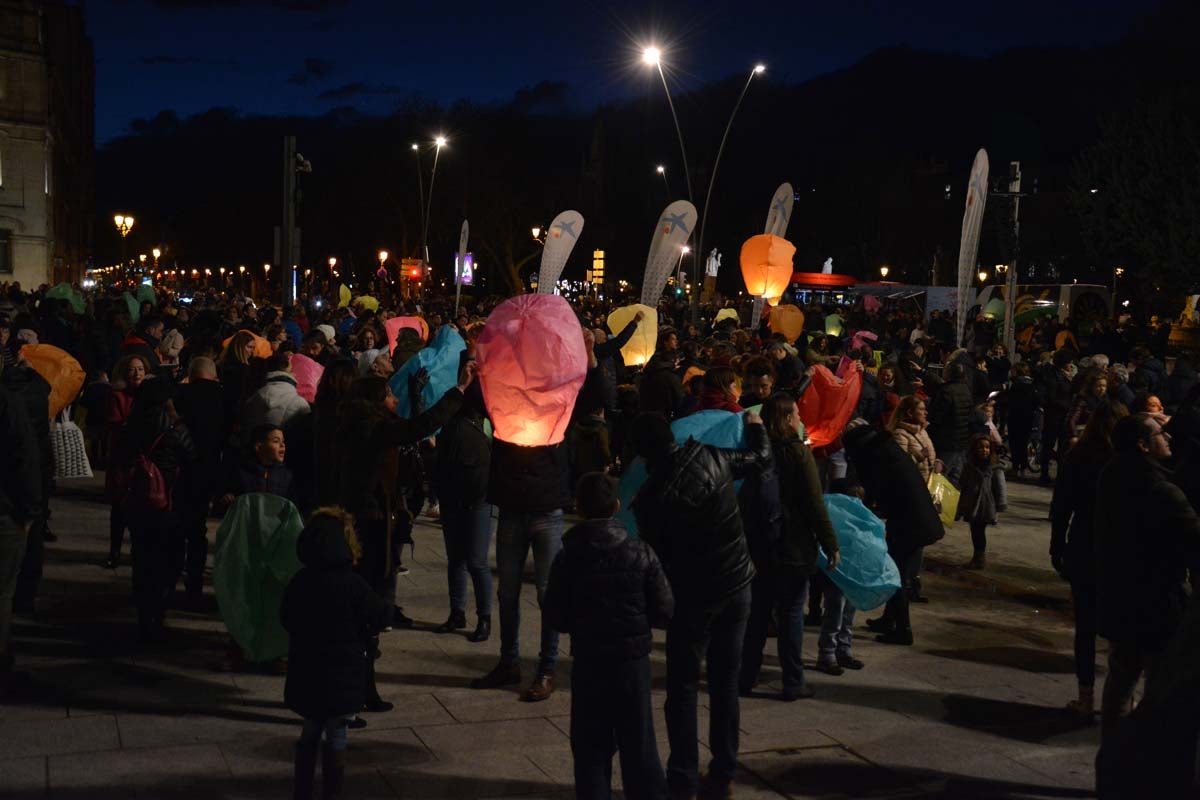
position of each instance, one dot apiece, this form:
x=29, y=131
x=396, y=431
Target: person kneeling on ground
x=607, y=590
x=329, y=612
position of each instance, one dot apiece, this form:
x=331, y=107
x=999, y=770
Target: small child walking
x=329, y=612
x=607, y=590
x=984, y=494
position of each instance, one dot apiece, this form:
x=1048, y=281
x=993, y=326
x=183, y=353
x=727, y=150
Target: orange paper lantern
x=787, y=320
x=262, y=348
x=59, y=369
x=767, y=265
x=396, y=324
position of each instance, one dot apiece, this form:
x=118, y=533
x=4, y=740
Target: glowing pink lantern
x=308, y=376
x=396, y=324
x=532, y=363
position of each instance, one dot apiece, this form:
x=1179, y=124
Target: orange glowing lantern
x=767, y=264
x=787, y=320
x=532, y=363
x=59, y=369
x=262, y=348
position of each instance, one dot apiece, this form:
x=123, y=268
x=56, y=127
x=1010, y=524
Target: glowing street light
x=124, y=224
x=983, y=276
x=383, y=256
x=883, y=271
x=536, y=231
x=662, y=171
x=652, y=56
x=439, y=142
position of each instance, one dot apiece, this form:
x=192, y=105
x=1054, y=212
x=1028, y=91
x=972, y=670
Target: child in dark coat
x=329, y=612
x=607, y=590
x=984, y=495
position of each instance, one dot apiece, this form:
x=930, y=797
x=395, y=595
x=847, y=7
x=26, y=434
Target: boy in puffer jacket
x=607, y=590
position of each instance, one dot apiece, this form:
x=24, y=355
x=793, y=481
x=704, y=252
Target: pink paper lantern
x=396, y=324
x=308, y=376
x=532, y=363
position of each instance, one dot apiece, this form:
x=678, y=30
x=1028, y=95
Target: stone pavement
x=973, y=710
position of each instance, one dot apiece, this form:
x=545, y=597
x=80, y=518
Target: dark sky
x=308, y=56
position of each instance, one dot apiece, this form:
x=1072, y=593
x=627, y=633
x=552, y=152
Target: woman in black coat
x=1073, y=540
x=460, y=476
x=330, y=614
x=154, y=430
x=898, y=494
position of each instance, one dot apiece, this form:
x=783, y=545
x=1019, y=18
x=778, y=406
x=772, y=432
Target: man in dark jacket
x=329, y=612
x=20, y=500
x=1056, y=405
x=528, y=485
x=1147, y=534
x=688, y=512
x=606, y=350
x=200, y=406
x=33, y=393
x=661, y=390
x=607, y=590
x=144, y=340
x=949, y=419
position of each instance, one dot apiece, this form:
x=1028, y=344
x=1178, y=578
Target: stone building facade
x=47, y=141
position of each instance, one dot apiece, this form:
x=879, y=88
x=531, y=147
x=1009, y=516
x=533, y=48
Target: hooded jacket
x=606, y=590
x=329, y=612
x=661, y=390
x=949, y=417
x=276, y=403
x=688, y=512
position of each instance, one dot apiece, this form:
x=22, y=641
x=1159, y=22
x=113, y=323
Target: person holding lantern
x=688, y=512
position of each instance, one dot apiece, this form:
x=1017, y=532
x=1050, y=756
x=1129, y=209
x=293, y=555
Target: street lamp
x=156, y=252
x=124, y=224
x=142, y=260
x=653, y=57
x=883, y=271
x=662, y=171
x=759, y=69
x=983, y=276
x=439, y=143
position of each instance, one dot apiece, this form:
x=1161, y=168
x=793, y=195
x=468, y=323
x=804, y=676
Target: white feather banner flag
x=780, y=213
x=561, y=237
x=968, y=247
x=674, y=228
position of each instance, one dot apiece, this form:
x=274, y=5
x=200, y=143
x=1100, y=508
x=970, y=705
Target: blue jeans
x=515, y=535
x=786, y=591
x=698, y=632
x=953, y=462
x=12, y=552
x=610, y=712
x=467, y=533
x=334, y=729
x=837, y=625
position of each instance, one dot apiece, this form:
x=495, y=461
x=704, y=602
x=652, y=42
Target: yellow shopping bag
x=945, y=497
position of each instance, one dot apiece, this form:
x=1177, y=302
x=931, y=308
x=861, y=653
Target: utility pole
x=288, y=225
x=1010, y=291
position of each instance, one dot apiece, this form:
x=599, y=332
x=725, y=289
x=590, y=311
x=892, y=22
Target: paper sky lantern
x=828, y=404
x=441, y=360
x=308, y=376
x=396, y=324
x=59, y=369
x=640, y=347
x=767, y=265
x=787, y=320
x=135, y=308
x=368, y=302
x=727, y=313
x=994, y=309
x=833, y=325
x=65, y=291
x=262, y=348
x=532, y=363
x=343, y=296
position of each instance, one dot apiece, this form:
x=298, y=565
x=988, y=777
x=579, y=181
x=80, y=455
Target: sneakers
x=541, y=689
x=501, y=675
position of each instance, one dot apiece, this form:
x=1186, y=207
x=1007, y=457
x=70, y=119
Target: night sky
x=309, y=56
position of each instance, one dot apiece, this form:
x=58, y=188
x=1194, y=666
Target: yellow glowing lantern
x=788, y=320
x=640, y=347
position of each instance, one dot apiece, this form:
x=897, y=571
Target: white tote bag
x=70, y=452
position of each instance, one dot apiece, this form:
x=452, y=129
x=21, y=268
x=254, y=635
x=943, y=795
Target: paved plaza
x=973, y=710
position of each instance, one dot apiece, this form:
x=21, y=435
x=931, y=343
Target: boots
x=979, y=561
x=1085, y=707
x=333, y=772
x=900, y=636
x=306, y=766
x=456, y=621
x=483, y=629
x=914, y=591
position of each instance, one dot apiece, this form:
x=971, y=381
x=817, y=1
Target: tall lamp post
x=653, y=57
x=332, y=265
x=662, y=171
x=124, y=224
x=439, y=143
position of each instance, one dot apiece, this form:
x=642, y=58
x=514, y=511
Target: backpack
x=145, y=487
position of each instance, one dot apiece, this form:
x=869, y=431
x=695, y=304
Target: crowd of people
x=190, y=405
